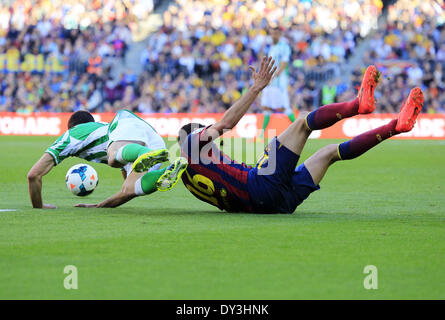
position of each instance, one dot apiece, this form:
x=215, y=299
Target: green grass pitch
x=386, y=209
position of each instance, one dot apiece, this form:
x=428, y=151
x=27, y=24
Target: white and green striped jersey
x=280, y=52
x=88, y=141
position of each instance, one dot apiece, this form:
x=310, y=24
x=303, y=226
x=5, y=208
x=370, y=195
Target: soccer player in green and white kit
x=117, y=144
x=275, y=97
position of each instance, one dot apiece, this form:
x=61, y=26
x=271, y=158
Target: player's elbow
x=33, y=176
x=227, y=124
x=127, y=192
x=230, y=126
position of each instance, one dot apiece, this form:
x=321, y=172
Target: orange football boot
x=410, y=110
x=366, y=91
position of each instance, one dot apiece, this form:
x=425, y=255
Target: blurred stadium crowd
x=59, y=55
x=411, y=48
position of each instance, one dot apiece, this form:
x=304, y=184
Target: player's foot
x=172, y=175
x=147, y=160
x=366, y=91
x=410, y=110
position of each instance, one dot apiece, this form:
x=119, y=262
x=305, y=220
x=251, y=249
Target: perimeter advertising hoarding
x=428, y=126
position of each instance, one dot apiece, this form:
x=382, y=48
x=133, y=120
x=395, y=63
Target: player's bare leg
x=320, y=161
x=318, y=164
x=113, y=150
x=295, y=136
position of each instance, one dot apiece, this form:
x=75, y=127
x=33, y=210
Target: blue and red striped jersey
x=214, y=177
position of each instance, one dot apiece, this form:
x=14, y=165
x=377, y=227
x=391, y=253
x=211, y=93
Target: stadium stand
x=59, y=55
x=199, y=60
x=411, y=47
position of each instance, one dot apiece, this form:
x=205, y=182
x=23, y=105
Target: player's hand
x=49, y=206
x=84, y=205
x=265, y=74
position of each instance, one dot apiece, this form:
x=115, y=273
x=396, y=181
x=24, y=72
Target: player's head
x=79, y=117
x=187, y=129
x=276, y=34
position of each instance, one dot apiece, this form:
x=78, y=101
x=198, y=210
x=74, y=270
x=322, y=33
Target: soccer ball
x=81, y=179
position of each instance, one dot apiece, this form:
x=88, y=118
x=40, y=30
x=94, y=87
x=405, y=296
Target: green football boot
x=147, y=160
x=172, y=175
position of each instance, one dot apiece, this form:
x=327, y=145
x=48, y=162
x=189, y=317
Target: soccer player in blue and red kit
x=276, y=184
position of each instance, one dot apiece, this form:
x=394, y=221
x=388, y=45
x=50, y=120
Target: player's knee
x=303, y=115
x=114, y=164
x=112, y=161
x=300, y=122
x=331, y=153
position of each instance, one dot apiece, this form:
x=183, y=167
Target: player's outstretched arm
x=234, y=114
x=38, y=170
x=112, y=202
x=124, y=195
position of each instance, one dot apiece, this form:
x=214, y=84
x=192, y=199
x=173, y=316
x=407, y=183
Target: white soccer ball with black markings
x=81, y=179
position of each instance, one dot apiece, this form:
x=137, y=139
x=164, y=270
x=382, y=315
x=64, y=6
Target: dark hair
x=79, y=117
x=187, y=129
